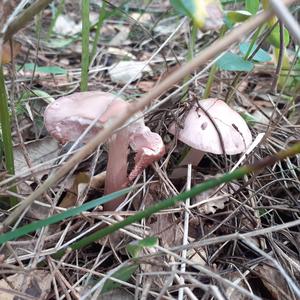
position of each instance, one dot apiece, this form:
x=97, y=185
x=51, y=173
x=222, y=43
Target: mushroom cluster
x=69, y=116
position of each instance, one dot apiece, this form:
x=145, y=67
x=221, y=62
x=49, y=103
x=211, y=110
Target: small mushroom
x=69, y=116
x=209, y=125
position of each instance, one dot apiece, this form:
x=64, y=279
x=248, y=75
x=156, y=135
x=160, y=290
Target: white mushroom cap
x=67, y=117
x=200, y=133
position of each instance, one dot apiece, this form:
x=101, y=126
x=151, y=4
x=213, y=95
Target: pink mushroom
x=69, y=116
x=200, y=133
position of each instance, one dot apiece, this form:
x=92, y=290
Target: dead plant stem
x=25, y=17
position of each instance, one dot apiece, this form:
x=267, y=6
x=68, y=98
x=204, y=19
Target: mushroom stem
x=193, y=157
x=116, y=171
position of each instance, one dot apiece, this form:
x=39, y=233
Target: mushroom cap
x=67, y=117
x=200, y=133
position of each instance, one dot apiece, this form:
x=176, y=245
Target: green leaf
x=252, y=6
x=205, y=13
x=46, y=69
x=124, y=273
x=228, y=23
x=52, y=70
x=36, y=93
x=45, y=96
x=233, y=62
x=248, y=118
x=85, y=52
x=260, y=56
x=12, y=235
x=135, y=247
x=274, y=37
x=61, y=43
x=188, y=8
x=238, y=16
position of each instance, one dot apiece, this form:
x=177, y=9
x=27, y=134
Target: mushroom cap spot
x=68, y=116
x=233, y=129
x=203, y=125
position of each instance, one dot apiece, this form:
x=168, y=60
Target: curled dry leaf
x=66, y=26
x=141, y=17
x=121, y=52
x=124, y=71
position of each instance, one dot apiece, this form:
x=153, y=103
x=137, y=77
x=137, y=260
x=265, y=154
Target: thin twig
x=287, y=18
x=186, y=228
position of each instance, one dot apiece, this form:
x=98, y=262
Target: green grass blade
x=6, y=127
x=54, y=18
x=9, y=236
x=211, y=77
x=102, y=17
x=85, y=56
x=124, y=274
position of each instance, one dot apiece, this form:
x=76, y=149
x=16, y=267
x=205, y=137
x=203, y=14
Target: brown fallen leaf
x=80, y=182
x=233, y=293
x=6, y=51
x=164, y=226
x=274, y=282
x=72, y=194
x=167, y=229
x=35, y=284
x=40, y=152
